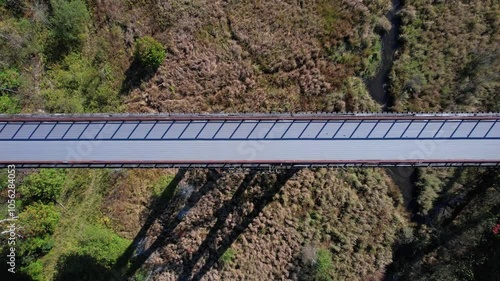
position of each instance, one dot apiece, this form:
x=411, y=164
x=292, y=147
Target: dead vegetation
x=268, y=221
x=261, y=56
x=129, y=201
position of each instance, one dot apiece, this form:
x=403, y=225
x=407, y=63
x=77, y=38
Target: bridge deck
x=250, y=140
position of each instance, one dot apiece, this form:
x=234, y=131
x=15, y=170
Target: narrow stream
x=404, y=177
x=377, y=85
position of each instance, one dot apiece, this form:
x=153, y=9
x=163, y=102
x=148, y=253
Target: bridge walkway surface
x=250, y=140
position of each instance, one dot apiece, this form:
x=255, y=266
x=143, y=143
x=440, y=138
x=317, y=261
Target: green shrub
x=429, y=186
x=9, y=104
x=102, y=244
x=228, y=256
x=34, y=270
x=161, y=184
x=9, y=79
x=76, y=85
x=357, y=97
x=43, y=186
x=69, y=25
x=74, y=266
x=149, y=52
x=21, y=41
x=60, y=101
x=38, y=223
x=324, y=266
x=39, y=219
x=141, y=275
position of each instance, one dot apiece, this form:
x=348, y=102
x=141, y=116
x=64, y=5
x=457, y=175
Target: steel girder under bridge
x=250, y=140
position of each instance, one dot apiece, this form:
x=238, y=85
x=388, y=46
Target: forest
x=144, y=56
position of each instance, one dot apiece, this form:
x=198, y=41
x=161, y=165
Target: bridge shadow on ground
x=208, y=247
x=414, y=251
x=164, y=209
x=158, y=205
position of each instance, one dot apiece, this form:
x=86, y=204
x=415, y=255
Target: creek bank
x=404, y=177
x=377, y=85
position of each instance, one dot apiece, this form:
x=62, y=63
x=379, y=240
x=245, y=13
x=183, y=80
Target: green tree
x=9, y=79
x=102, y=244
x=39, y=219
x=97, y=251
x=38, y=222
x=9, y=83
x=429, y=186
x=149, y=52
x=9, y=104
x=76, y=85
x=34, y=270
x=44, y=186
x=69, y=26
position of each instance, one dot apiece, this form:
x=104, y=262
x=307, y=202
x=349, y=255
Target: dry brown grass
x=259, y=56
x=348, y=213
x=130, y=197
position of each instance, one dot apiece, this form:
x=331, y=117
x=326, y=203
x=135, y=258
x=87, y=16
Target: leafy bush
x=102, y=244
x=357, y=97
x=76, y=85
x=60, y=101
x=227, y=257
x=9, y=83
x=20, y=44
x=149, y=52
x=9, y=104
x=74, y=266
x=39, y=219
x=69, y=24
x=9, y=79
x=324, y=265
x=43, y=186
x=34, y=270
x=97, y=250
x=38, y=223
x=95, y=253
x=161, y=184
x=141, y=275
